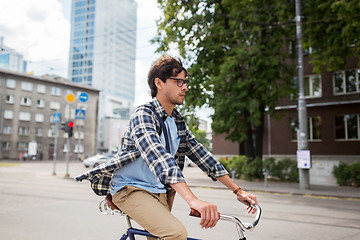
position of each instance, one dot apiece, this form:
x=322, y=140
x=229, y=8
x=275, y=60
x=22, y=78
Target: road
x=34, y=204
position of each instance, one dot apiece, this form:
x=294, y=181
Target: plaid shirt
x=142, y=139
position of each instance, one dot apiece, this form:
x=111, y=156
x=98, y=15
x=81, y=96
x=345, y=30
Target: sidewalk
x=196, y=178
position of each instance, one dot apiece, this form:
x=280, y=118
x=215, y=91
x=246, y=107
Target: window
x=39, y=117
x=41, y=88
x=347, y=81
x=10, y=99
x=7, y=130
x=40, y=103
x=55, y=91
x=55, y=105
x=25, y=101
x=24, y=131
x=51, y=131
x=347, y=127
x=313, y=131
x=79, y=148
x=312, y=86
x=6, y=145
x=22, y=146
x=24, y=116
x=10, y=83
x=26, y=86
x=8, y=114
x=38, y=132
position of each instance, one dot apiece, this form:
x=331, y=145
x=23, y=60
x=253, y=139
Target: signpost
x=79, y=114
x=56, y=120
x=70, y=98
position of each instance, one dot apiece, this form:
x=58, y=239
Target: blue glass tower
x=102, y=54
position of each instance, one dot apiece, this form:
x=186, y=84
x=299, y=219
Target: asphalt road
x=34, y=204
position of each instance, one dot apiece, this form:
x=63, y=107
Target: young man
x=148, y=168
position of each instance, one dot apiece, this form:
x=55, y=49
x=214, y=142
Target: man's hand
x=247, y=199
x=209, y=213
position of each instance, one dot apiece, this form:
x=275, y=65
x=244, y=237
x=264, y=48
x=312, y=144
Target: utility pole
x=304, y=176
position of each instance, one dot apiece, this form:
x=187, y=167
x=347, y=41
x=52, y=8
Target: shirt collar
x=161, y=111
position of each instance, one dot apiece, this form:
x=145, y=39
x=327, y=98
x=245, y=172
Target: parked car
x=96, y=160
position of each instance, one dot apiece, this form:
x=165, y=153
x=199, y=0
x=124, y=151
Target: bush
x=246, y=168
x=284, y=169
x=347, y=175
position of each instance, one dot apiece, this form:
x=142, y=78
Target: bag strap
x=163, y=127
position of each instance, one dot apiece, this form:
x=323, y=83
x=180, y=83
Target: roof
x=47, y=78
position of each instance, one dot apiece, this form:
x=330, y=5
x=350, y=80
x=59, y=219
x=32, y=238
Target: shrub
x=347, y=175
x=284, y=169
x=246, y=168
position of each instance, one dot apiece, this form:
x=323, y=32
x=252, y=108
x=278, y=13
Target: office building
x=10, y=59
x=102, y=55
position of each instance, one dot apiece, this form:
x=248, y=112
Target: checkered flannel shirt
x=142, y=139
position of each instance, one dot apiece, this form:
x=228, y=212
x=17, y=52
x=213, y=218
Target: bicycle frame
x=131, y=232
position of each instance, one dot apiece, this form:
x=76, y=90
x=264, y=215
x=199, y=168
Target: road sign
x=83, y=97
x=70, y=97
x=79, y=114
x=56, y=117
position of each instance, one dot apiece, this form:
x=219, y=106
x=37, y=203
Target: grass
x=7, y=164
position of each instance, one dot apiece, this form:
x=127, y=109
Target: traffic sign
x=83, y=97
x=79, y=114
x=56, y=117
x=70, y=97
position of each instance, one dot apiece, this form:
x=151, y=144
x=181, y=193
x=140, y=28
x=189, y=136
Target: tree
x=332, y=30
x=236, y=50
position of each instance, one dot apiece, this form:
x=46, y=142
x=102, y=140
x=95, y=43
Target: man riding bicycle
x=144, y=176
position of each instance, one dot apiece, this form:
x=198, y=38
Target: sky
x=40, y=30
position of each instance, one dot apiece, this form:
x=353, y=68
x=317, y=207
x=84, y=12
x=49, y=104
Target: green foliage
x=235, y=50
x=284, y=169
x=347, y=175
x=244, y=167
x=332, y=29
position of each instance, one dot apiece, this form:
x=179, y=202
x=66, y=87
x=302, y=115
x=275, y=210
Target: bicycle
x=106, y=206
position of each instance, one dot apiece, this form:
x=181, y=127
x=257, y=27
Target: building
x=333, y=111
x=10, y=59
x=27, y=109
x=102, y=55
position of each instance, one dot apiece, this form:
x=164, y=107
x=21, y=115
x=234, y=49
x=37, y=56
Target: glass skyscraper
x=10, y=59
x=102, y=55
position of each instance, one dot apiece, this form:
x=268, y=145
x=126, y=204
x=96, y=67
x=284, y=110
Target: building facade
x=27, y=109
x=10, y=59
x=333, y=113
x=102, y=55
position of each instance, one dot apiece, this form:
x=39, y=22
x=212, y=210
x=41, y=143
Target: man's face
x=175, y=88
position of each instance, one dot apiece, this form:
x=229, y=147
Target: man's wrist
x=238, y=189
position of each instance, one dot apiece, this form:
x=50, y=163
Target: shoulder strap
x=163, y=127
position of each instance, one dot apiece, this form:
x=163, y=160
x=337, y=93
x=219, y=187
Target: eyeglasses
x=180, y=82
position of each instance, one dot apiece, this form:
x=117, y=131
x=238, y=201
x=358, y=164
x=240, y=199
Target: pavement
x=197, y=179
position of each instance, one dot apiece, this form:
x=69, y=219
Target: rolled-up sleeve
x=147, y=141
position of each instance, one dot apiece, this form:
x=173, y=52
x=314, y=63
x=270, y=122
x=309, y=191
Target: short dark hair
x=163, y=68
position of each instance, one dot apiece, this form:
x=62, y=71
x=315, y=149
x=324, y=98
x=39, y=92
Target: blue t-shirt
x=138, y=174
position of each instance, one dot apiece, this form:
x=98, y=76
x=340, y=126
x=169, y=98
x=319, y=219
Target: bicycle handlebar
x=243, y=226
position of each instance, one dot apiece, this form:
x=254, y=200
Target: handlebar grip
x=194, y=213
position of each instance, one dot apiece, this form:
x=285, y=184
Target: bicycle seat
x=109, y=202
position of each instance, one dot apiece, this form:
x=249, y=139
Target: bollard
x=266, y=173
